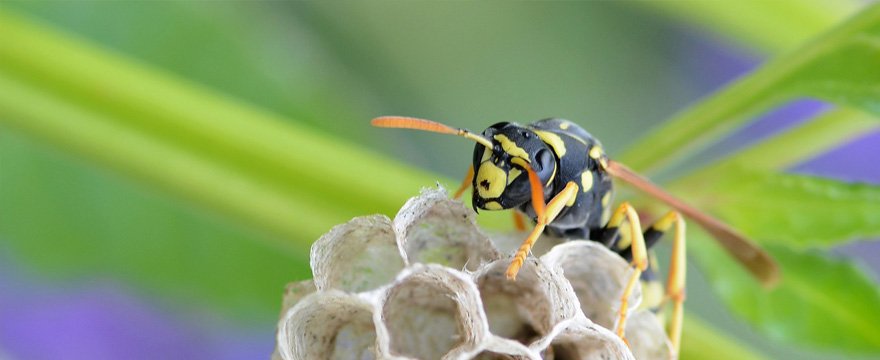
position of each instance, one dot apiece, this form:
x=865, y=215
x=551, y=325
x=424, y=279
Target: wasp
x=558, y=175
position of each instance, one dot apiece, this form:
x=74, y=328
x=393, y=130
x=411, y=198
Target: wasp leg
x=563, y=198
x=653, y=298
x=519, y=222
x=633, y=236
x=675, y=282
x=466, y=183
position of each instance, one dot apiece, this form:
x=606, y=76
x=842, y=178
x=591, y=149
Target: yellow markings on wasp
x=596, y=152
x=493, y=205
x=511, y=147
x=586, y=181
x=491, y=180
x=487, y=153
x=665, y=222
x=606, y=199
x=512, y=174
x=571, y=200
x=606, y=211
x=554, y=141
x=606, y=214
x=564, y=125
x=652, y=294
x=625, y=238
x=521, y=162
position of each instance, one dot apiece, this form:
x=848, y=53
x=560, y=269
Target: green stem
x=290, y=157
x=201, y=146
x=150, y=159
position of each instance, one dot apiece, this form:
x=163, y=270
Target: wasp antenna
x=403, y=122
x=752, y=257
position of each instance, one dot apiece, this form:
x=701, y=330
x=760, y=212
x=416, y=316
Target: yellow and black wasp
x=557, y=174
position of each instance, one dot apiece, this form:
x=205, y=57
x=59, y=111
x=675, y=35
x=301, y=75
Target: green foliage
x=810, y=306
x=839, y=66
x=794, y=210
x=822, y=301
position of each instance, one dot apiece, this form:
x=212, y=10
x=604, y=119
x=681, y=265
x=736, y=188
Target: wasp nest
x=430, y=285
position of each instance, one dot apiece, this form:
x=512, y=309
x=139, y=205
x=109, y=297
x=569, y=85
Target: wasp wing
x=752, y=257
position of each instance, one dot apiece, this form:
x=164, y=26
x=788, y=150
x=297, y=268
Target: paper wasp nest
x=430, y=285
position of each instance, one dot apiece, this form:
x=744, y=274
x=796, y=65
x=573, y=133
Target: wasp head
x=501, y=180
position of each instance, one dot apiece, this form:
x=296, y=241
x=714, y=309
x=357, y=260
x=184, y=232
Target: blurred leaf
x=813, y=138
x=839, y=66
x=822, y=302
x=223, y=155
x=796, y=210
x=72, y=222
x=702, y=341
x=768, y=26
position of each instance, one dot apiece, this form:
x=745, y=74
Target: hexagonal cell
x=328, y=325
x=529, y=307
x=434, y=229
x=646, y=336
x=598, y=277
x=582, y=340
x=431, y=312
x=359, y=255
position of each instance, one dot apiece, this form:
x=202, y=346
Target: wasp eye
x=543, y=164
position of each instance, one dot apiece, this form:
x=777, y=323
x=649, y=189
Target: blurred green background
x=168, y=274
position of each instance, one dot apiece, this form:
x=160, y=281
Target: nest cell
x=434, y=229
x=359, y=255
x=433, y=312
x=328, y=325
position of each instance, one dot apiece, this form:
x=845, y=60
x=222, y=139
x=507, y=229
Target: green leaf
x=822, y=302
x=839, y=66
x=797, y=210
